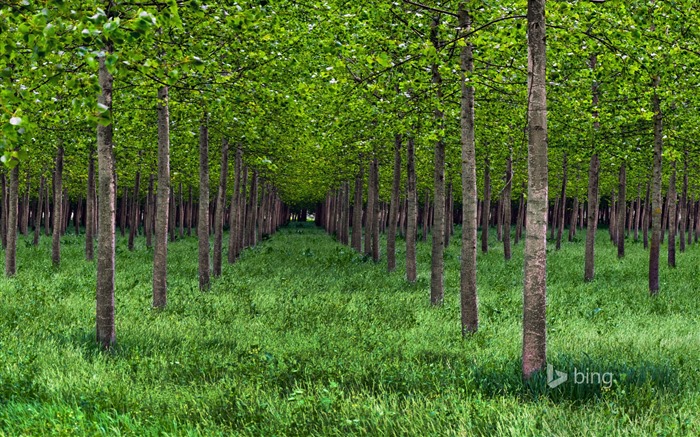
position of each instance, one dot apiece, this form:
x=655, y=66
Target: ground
x=304, y=337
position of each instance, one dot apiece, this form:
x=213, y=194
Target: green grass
x=304, y=337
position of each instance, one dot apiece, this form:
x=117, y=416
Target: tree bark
x=220, y=208
x=203, y=219
x=148, y=221
x=394, y=207
x=684, y=203
x=469, y=303
x=655, y=248
x=160, y=256
x=486, y=208
x=57, y=205
x=621, y=211
x=369, y=214
x=106, y=335
x=562, y=203
x=535, y=287
x=37, y=216
x=234, y=214
x=412, y=211
x=672, y=216
x=135, y=210
x=375, y=213
x=647, y=217
x=11, y=213
x=507, y=206
x=357, y=211
x=574, y=219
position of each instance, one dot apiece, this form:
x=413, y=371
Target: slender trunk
x=664, y=218
x=357, y=211
x=647, y=217
x=243, y=213
x=148, y=220
x=638, y=213
x=369, y=213
x=190, y=211
x=135, y=211
x=106, y=335
x=684, y=203
x=486, y=208
x=25, y=206
x=181, y=212
x=535, y=287
x=506, y=206
x=234, y=214
x=122, y=212
x=37, y=217
x=592, y=223
x=469, y=303
x=426, y=216
x=47, y=214
x=519, y=220
x=57, y=205
x=672, y=216
x=160, y=256
x=220, y=208
x=574, y=219
x=655, y=247
x=253, y=209
x=375, y=213
x=562, y=203
x=203, y=220
x=12, y=211
x=394, y=206
x=622, y=210
x=5, y=210
x=412, y=211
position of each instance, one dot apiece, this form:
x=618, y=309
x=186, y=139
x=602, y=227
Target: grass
x=304, y=337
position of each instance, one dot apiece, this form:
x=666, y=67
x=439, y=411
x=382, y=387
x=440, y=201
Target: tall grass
x=304, y=337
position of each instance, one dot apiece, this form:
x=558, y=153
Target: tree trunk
x=135, y=211
x=148, y=222
x=469, y=304
x=57, y=205
x=684, y=203
x=160, y=256
x=412, y=211
x=592, y=223
x=234, y=214
x=47, y=215
x=535, y=287
x=369, y=214
x=574, y=219
x=507, y=205
x=11, y=213
x=106, y=335
x=672, y=216
x=357, y=211
x=220, y=208
x=5, y=211
x=375, y=213
x=647, y=217
x=37, y=216
x=486, y=208
x=562, y=203
x=394, y=207
x=656, y=195
x=25, y=206
x=203, y=220
x=621, y=211
x=520, y=219
x=122, y=213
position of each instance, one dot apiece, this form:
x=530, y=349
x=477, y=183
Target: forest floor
x=304, y=337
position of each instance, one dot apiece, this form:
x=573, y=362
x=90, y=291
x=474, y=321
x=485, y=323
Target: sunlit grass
x=304, y=337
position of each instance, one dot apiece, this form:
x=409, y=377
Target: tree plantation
x=349, y=218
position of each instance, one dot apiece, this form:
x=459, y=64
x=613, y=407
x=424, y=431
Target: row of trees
x=320, y=100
